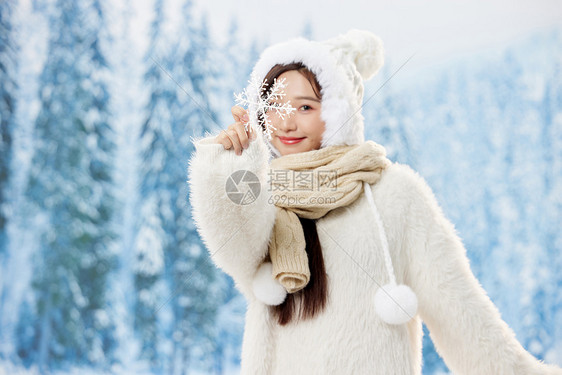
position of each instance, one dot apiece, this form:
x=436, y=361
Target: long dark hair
x=312, y=299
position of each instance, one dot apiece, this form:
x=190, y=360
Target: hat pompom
x=267, y=289
x=396, y=304
x=367, y=52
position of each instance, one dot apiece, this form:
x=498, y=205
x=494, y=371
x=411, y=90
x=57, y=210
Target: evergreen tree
x=25, y=333
x=236, y=64
x=539, y=136
x=8, y=88
x=197, y=289
x=552, y=130
x=232, y=75
x=167, y=245
x=71, y=182
x=128, y=98
x=386, y=119
x=150, y=238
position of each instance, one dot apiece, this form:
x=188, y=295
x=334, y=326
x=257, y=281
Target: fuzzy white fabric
x=349, y=337
x=340, y=64
x=396, y=304
x=266, y=288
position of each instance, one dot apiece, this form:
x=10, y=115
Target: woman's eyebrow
x=308, y=98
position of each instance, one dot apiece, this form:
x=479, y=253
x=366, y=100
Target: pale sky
x=437, y=30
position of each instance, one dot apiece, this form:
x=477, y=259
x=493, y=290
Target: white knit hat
x=340, y=64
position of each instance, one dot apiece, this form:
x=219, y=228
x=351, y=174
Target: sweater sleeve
x=464, y=324
x=235, y=234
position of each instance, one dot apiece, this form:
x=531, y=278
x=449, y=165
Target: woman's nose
x=288, y=122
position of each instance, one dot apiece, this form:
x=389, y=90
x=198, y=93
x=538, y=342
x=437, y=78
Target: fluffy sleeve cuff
x=236, y=232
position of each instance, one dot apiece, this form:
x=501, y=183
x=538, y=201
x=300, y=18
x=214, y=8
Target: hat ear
x=365, y=50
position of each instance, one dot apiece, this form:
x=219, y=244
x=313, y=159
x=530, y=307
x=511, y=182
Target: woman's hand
x=235, y=136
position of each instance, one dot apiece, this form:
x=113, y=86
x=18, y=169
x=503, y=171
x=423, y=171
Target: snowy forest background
x=101, y=268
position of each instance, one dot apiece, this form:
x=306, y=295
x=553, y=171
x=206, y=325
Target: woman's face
x=302, y=130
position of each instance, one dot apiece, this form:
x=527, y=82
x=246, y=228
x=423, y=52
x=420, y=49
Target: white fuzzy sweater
x=348, y=337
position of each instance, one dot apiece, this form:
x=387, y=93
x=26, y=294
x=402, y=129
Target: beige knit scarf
x=309, y=185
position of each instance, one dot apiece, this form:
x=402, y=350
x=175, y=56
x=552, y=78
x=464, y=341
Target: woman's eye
x=306, y=107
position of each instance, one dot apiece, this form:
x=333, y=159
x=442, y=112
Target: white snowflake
x=258, y=105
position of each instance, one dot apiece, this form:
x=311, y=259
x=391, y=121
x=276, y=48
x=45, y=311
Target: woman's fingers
x=236, y=136
x=242, y=142
x=224, y=139
x=239, y=114
x=232, y=135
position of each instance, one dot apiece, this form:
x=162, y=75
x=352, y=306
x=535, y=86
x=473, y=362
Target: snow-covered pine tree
x=504, y=78
x=535, y=137
x=179, y=83
x=233, y=76
x=197, y=291
x=128, y=96
x=386, y=120
x=150, y=239
x=71, y=182
x=551, y=113
x=8, y=88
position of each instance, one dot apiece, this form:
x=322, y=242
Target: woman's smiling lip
x=290, y=140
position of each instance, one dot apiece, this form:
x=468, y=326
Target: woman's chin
x=290, y=150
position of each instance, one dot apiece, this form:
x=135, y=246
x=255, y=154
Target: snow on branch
x=259, y=106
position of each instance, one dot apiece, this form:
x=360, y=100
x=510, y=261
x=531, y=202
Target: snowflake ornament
x=258, y=105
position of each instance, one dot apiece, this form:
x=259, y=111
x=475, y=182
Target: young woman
x=341, y=254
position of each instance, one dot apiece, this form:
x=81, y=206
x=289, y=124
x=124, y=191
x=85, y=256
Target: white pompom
x=396, y=304
x=368, y=52
x=266, y=288
x=364, y=48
